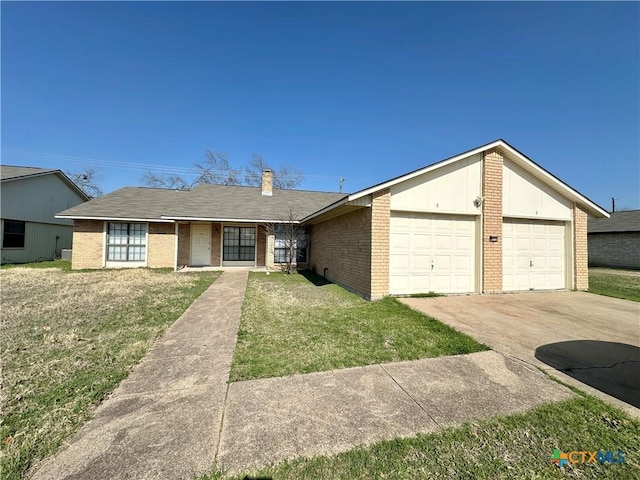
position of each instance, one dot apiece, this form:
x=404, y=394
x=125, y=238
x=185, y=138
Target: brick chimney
x=267, y=182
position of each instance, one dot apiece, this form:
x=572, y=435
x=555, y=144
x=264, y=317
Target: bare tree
x=290, y=237
x=216, y=169
x=285, y=177
x=87, y=181
x=174, y=182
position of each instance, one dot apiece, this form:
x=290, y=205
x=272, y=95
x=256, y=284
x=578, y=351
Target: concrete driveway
x=587, y=340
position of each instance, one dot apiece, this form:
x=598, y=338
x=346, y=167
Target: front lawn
x=516, y=446
x=620, y=284
x=68, y=339
x=300, y=324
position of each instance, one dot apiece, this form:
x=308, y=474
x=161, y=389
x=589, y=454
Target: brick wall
x=492, y=221
x=581, y=257
x=261, y=239
x=161, y=245
x=88, y=237
x=184, y=244
x=216, y=238
x=343, y=246
x=380, y=225
x=618, y=250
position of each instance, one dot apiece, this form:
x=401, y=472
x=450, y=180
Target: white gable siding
x=450, y=189
x=524, y=196
x=38, y=199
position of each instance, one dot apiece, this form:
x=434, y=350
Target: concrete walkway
x=274, y=419
x=175, y=415
x=163, y=421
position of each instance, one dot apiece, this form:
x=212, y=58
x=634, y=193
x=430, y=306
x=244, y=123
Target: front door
x=200, y=244
x=239, y=246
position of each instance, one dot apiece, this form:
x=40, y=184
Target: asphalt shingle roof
x=206, y=202
x=628, y=221
x=10, y=172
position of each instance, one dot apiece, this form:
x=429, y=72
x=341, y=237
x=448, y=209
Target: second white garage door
x=432, y=253
x=533, y=255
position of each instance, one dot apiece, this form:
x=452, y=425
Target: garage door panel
x=421, y=241
x=398, y=282
x=443, y=242
x=421, y=263
x=400, y=223
x=533, y=255
x=442, y=283
x=400, y=240
x=421, y=283
x=463, y=243
x=556, y=245
x=442, y=262
x=462, y=263
x=399, y=262
x=555, y=263
x=441, y=253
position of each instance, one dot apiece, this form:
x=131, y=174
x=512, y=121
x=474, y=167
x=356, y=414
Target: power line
x=30, y=155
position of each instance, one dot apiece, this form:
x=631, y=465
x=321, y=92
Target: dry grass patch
x=68, y=338
x=300, y=324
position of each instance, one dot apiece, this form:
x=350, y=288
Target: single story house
x=486, y=220
x=615, y=241
x=30, y=199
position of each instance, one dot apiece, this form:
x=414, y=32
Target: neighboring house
x=615, y=241
x=487, y=220
x=30, y=198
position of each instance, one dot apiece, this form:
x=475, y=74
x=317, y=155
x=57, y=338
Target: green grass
x=300, y=324
x=612, y=284
x=61, y=264
x=517, y=446
x=68, y=339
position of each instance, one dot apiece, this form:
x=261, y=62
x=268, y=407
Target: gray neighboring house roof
x=628, y=221
x=204, y=202
x=10, y=173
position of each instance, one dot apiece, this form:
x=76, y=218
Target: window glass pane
x=116, y=253
x=247, y=236
x=136, y=254
x=126, y=242
x=14, y=233
x=281, y=255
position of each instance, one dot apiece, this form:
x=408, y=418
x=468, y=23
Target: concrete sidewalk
x=274, y=419
x=175, y=416
x=163, y=421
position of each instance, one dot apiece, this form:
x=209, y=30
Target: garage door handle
x=531, y=263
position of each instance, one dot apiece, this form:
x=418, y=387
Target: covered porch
x=221, y=244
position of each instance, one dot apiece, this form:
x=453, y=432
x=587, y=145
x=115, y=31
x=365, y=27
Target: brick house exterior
x=485, y=221
x=615, y=242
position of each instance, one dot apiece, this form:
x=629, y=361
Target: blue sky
x=364, y=91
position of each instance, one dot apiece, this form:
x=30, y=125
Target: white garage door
x=533, y=255
x=431, y=253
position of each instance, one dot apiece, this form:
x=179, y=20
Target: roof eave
x=226, y=219
x=109, y=218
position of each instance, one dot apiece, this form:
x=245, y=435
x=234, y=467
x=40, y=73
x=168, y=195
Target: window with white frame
x=287, y=236
x=126, y=242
